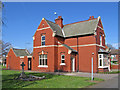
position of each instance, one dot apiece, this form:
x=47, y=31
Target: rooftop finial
x=55, y=14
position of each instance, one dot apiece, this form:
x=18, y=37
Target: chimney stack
x=91, y=17
x=59, y=21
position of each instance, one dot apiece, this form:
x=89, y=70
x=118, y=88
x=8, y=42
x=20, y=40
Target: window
x=62, y=58
x=103, y=60
x=43, y=59
x=100, y=59
x=100, y=62
x=100, y=40
x=43, y=40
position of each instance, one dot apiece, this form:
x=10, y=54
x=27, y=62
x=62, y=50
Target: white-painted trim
x=62, y=58
x=43, y=28
x=100, y=45
x=54, y=33
x=103, y=66
x=63, y=33
x=62, y=64
x=100, y=27
x=97, y=23
x=70, y=46
x=69, y=51
x=46, y=46
x=88, y=45
x=29, y=56
x=21, y=56
x=43, y=18
x=44, y=66
x=33, y=38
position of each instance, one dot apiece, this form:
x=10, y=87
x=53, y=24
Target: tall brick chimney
x=59, y=21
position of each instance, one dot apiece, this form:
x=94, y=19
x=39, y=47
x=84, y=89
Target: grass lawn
x=1, y=66
x=52, y=81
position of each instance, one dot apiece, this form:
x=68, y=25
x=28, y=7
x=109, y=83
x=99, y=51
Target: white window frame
x=99, y=60
x=44, y=58
x=102, y=61
x=42, y=40
x=100, y=40
x=62, y=60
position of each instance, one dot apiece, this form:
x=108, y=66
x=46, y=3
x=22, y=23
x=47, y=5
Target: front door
x=73, y=64
x=29, y=63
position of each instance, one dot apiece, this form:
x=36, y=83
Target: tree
x=4, y=48
x=110, y=46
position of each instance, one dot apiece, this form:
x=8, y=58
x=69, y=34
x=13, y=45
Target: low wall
x=114, y=66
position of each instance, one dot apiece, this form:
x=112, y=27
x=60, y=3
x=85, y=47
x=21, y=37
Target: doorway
x=29, y=63
x=73, y=65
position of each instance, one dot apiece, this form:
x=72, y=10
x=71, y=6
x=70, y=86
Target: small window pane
x=43, y=43
x=63, y=57
x=45, y=56
x=63, y=61
x=100, y=62
x=100, y=56
x=42, y=56
x=45, y=61
x=40, y=61
x=43, y=37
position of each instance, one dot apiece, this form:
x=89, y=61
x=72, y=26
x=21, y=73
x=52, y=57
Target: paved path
x=96, y=75
x=112, y=83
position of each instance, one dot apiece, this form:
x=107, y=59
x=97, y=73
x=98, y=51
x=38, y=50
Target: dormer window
x=43, y=40
x=100, y=40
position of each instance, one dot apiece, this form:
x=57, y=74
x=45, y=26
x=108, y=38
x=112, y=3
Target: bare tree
x=110, y=46
x=4, y=47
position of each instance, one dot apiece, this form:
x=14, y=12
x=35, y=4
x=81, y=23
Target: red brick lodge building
x=70, y=47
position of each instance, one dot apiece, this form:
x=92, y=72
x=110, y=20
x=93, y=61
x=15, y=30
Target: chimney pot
x=92, y=17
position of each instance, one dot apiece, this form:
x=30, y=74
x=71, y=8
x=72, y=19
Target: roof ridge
x=17, y=49
x=80, y=21
x=50, y=21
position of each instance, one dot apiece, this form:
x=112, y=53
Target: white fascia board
x=21, y=56
x=29, y=56
x=43, y=66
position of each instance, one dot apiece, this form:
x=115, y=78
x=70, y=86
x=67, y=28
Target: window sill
x=44, y=66
x=62, y=64
x=103, y=67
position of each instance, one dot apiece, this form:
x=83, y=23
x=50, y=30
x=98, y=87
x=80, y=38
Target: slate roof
x=74, y=29
x=102, y=51
x=56, y=28
x=68, y=47
x=115, y=51
x=21, y=52
x=81, y=28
